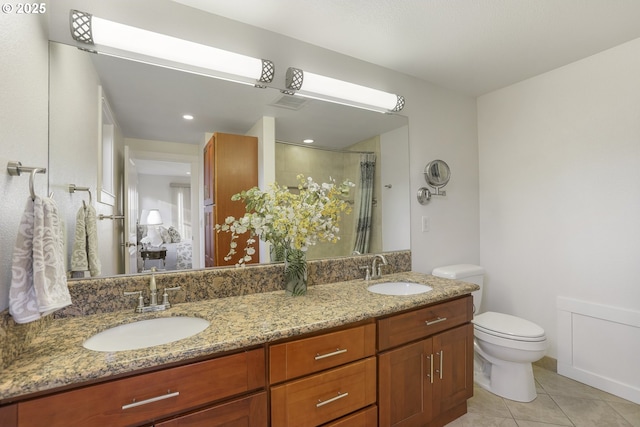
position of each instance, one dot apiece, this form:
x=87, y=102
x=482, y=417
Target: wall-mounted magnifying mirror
x=437, y=175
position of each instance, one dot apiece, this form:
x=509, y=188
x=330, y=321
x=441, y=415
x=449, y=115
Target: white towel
x=38, y=279
x=84, y=255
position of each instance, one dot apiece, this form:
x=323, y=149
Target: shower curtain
x=365, y=203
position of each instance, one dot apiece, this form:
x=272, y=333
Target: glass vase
x=295, y=272
x=276, y=252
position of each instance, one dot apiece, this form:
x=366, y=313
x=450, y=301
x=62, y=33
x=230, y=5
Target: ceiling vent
x=290, y=102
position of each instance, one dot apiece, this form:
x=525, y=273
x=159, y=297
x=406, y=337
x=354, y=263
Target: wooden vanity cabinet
x=425, y=365
x=320, y=379
x=157, y=395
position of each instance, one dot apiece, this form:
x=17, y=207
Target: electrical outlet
x=425, y=224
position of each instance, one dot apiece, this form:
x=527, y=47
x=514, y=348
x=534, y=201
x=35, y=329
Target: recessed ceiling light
x=308, y=141
x=187, y=117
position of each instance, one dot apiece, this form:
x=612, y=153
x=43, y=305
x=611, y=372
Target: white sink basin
x=399, y=288
x=146, y=333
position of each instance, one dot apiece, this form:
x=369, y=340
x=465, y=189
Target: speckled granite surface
x=96, y=296
x=56, y=358
x=105, y=295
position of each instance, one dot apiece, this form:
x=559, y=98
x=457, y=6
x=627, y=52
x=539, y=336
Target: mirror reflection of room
x=156, y=132
x=165, y=229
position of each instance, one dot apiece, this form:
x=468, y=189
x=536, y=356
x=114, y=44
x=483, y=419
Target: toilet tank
x=465, y=273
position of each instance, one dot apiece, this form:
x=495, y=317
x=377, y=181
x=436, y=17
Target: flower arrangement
x=289, y=220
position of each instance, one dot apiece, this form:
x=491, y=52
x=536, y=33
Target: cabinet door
x=9, y=415
x=209, y=236
x=208, y=173
x=250, y=411
x=235, y=169
x=453, y=359
x=404, y=385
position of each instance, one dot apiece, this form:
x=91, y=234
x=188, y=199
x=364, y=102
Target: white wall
x=395, y=190
x=74, y=101
x=560, y=188
x=23, y=124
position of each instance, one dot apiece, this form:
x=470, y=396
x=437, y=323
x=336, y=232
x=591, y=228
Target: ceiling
x=471, y=46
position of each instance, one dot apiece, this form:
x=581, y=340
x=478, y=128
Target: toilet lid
x=508, y=326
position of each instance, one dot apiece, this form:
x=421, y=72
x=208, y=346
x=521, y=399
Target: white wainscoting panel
x=599, y=345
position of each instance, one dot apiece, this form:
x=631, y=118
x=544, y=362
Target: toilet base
x=513, y=381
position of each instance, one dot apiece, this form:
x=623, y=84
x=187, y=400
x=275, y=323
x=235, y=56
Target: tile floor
x=560, y=402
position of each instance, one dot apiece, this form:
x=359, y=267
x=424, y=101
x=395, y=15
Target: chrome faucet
x=153, y=300
x=376, y=269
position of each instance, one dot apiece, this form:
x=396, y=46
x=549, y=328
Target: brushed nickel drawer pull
x=333, y=353
x=433, y=322
x=333, y=399
x=153, y=399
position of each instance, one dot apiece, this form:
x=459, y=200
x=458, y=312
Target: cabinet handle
x=333, y=353
x=333, y=399
x=440, y=353
x=430, y=357
x=433, y=322
x=153, y=399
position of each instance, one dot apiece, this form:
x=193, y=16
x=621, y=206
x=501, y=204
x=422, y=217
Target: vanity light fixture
x=124, y=41
x=310, y=85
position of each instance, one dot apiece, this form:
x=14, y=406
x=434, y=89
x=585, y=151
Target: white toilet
x=505, y=345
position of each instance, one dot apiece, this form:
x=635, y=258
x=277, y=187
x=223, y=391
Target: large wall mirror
x=164, y=155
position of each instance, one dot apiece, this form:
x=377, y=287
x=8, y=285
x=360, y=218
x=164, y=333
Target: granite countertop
x=57, y=358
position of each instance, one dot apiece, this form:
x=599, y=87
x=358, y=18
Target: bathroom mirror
x=218, y=106
x=437, y=173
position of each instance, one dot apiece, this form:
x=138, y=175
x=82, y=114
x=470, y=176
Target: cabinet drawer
x=402, y=328
x=248, y=411
x=148, y=396
x=323, y=397
x=301, y=357
x=366, y=418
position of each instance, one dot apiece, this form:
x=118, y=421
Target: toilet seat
x=508, y=327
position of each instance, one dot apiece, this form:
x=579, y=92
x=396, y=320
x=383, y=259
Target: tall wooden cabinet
x=230, y=166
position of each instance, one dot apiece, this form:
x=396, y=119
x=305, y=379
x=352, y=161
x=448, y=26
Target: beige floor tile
x=590, y=413
x=480, y=420
x=542, y=409
x=487, y=403
x=630, y=411
x=522, y=423
x=561, y=402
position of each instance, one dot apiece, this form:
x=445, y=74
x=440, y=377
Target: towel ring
x=73, y=188
x=15, y=169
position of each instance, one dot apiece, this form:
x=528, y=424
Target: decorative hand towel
x=38, y=279
x=84, y=255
